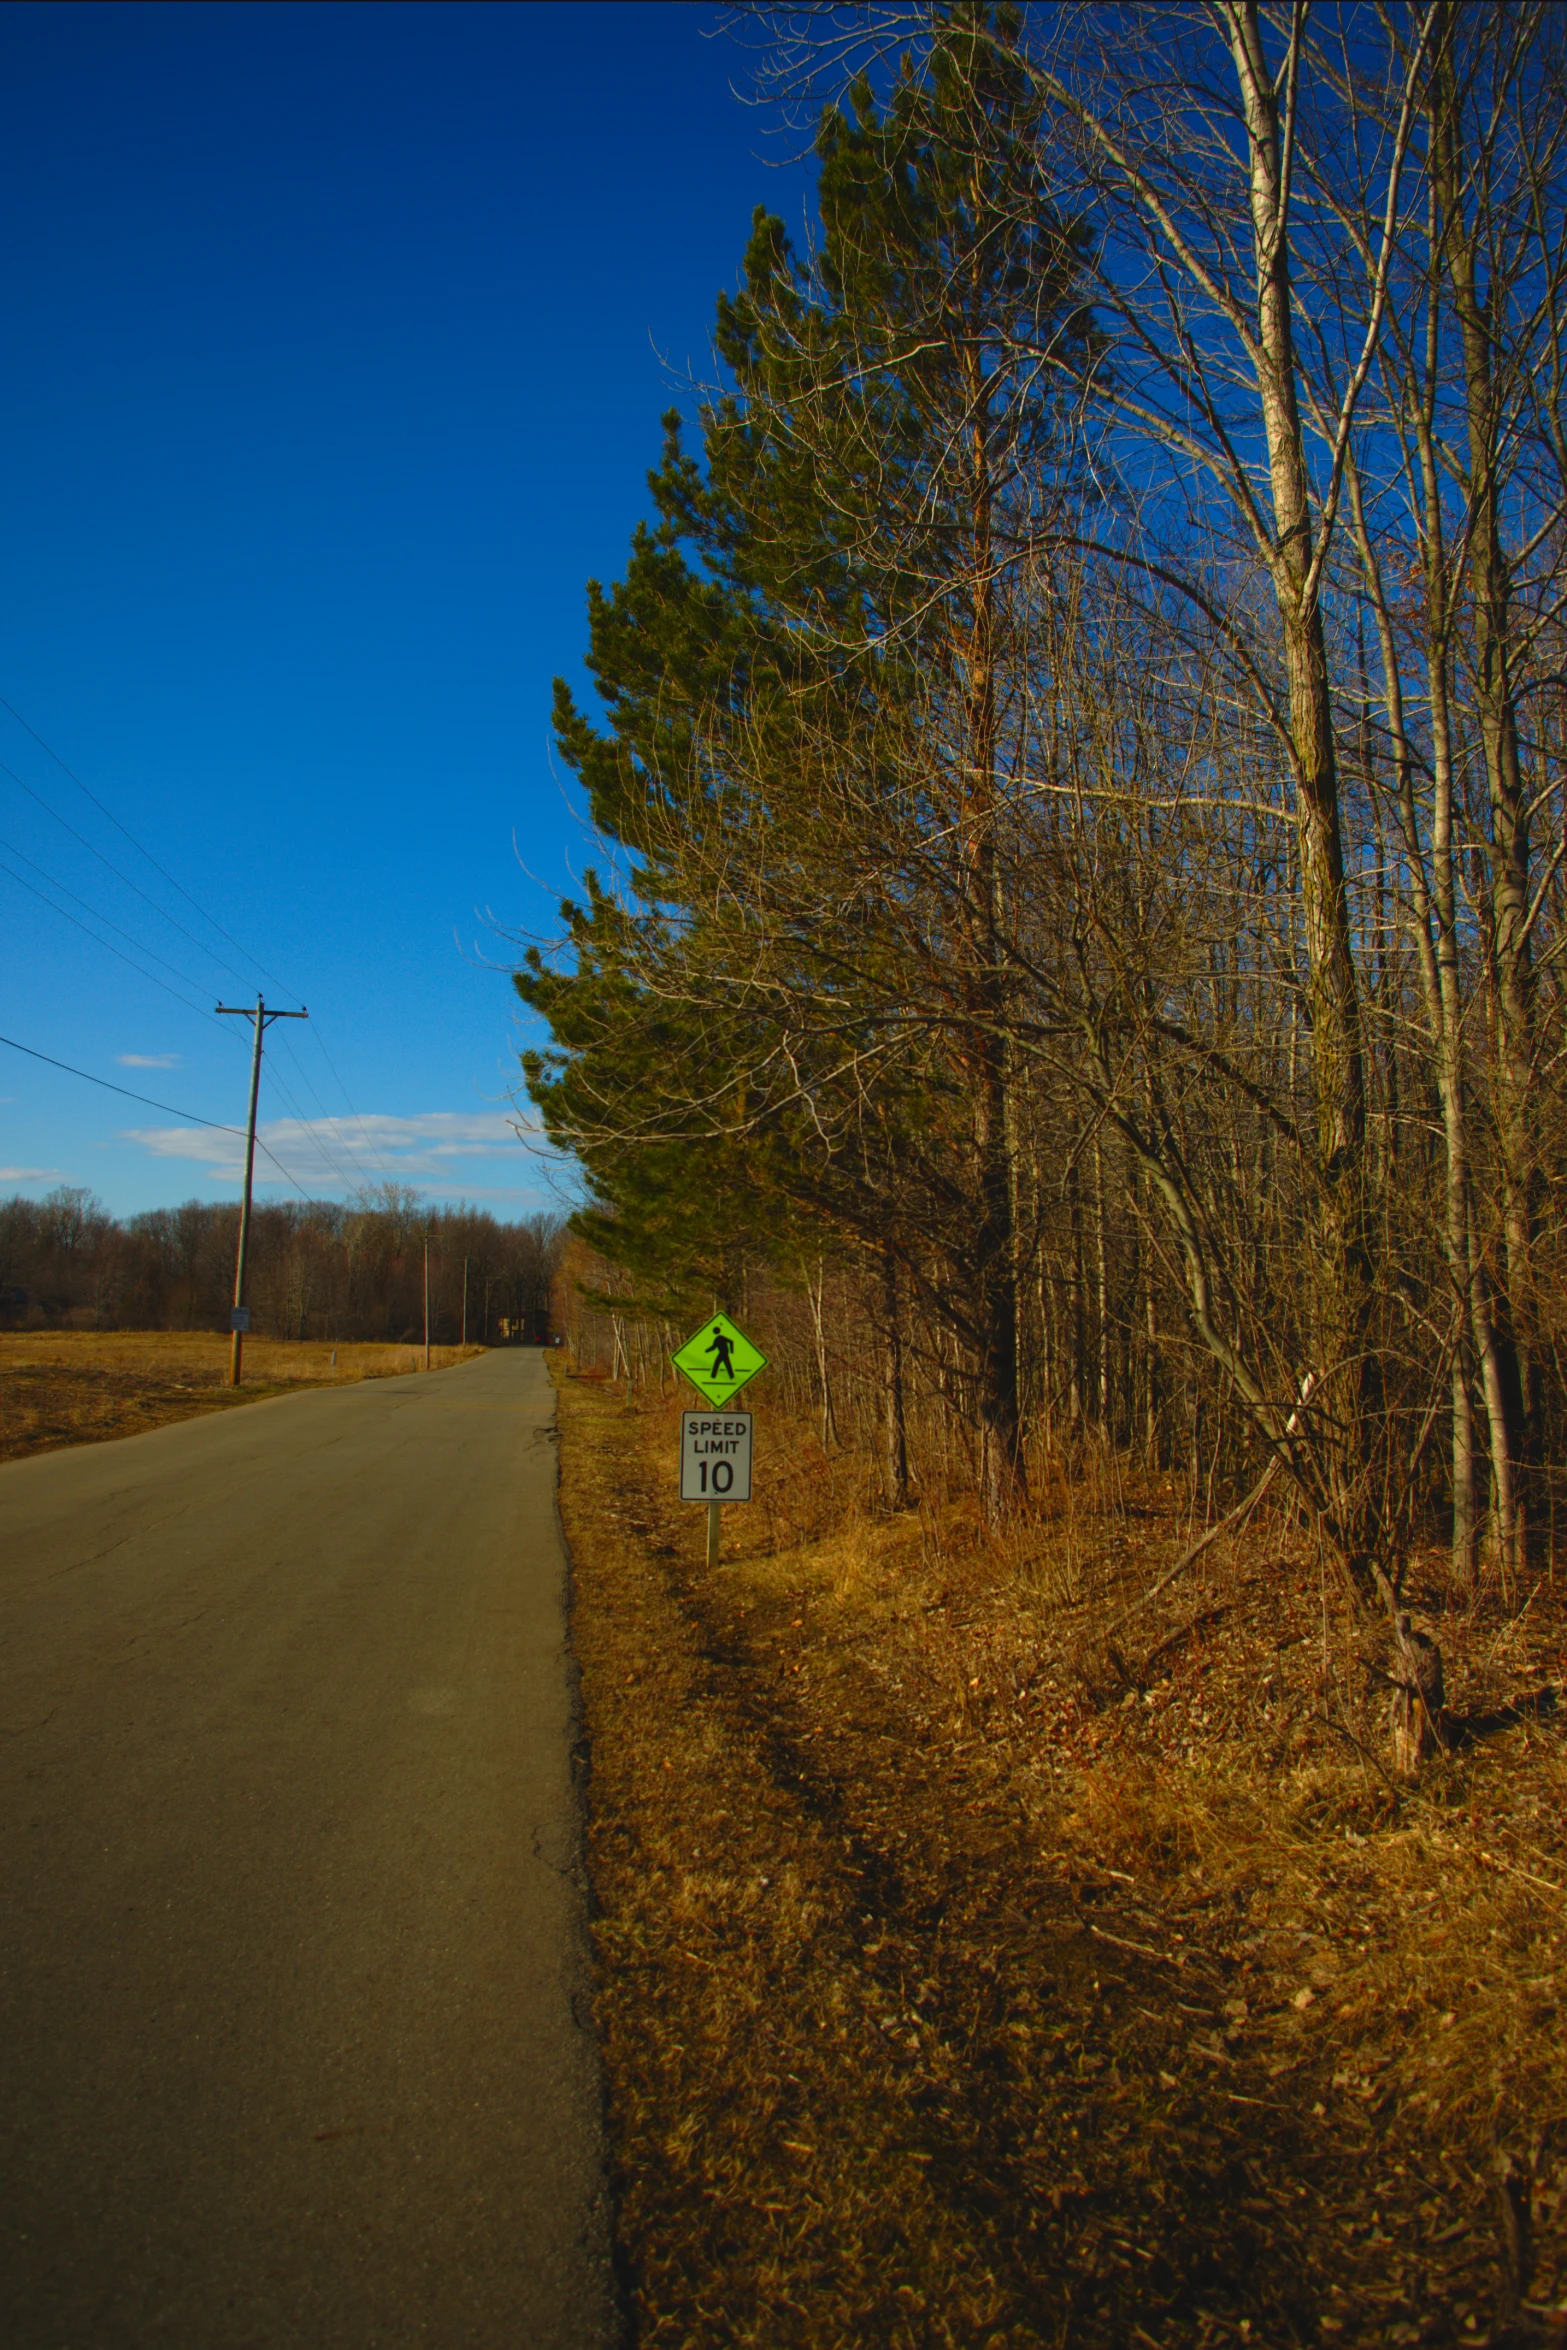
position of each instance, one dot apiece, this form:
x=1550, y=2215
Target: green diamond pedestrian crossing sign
x=718, y=1359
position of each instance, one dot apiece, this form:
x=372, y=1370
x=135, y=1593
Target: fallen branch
x=1511, y=1869
x=1361, y=1748
x=1197, y=1623
x=1143, y=1949
x=1231, y=1524
x=1189, y=1558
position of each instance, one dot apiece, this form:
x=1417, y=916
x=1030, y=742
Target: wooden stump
x=1418, y=1709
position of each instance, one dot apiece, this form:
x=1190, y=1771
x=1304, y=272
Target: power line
x=215, y=1125
x=345, y=1175
x=201, y=948
x=49, y=810
x=283, y=1171
x=190, y=1002
x=129, y=937
x=108, y=863
x=334, y=1123
x=303, y=1074
x=108, y=813
x=33, y=1054
x=353, y=1113
x=23, y=883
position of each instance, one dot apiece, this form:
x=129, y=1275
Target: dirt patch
x=961, y=1985
x=82, y=1387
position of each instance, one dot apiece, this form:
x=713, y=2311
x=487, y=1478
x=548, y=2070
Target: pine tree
x=805, y=672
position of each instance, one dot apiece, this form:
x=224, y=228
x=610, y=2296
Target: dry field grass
x=958, y=1986
x=60, y=1387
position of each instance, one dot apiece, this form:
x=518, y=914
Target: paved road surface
x=291, y=1950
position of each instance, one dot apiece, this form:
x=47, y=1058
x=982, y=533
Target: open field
x=81, y=1386
x=961, y=1984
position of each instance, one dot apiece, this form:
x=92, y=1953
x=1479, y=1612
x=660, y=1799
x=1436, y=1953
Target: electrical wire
x=23, y=883
x=189, y=1002
x=214, y=1125
x=34, y=1054
x=129, y=937
x=348, y=1178
x=50, y=810
x=108, y=813
x=361, y=1172
x=283, y=1171
x=201, y=948
x=353, y=1113
x=342, y=1174
x=108, y=863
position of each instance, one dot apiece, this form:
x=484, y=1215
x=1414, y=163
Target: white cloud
x=540, y=1198
x=29, y=1174
x=340, y=1153
x=148, y=1060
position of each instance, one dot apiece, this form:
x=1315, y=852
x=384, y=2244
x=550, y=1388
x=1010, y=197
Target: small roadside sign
x=715, y=1456
x=239, y=1319
x=718, y=1359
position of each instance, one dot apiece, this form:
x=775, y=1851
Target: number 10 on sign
x=715, y=1456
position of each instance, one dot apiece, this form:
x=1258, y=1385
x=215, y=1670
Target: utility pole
x=465, y=1301
x=239, y=1320
x=427, y=1301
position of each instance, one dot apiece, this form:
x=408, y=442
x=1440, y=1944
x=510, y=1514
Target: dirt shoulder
x=951, y=1994
x=81, y=1387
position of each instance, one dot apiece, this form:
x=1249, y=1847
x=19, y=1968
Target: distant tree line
x=318, y=1269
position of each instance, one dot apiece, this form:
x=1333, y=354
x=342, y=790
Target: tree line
x=1081, y=759
x=317, y=1269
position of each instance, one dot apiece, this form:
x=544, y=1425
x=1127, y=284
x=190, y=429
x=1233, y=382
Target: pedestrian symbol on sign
x=718, y=1359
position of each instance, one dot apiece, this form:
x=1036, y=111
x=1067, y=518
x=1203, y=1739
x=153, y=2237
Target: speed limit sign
x=715, y=1456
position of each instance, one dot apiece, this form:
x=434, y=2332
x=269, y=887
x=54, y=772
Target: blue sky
x=338, y=340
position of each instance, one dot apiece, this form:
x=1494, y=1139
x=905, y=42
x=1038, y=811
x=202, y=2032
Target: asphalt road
x=292, y=1955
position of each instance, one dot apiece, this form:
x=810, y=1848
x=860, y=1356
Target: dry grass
x=961, y=1986
x=83, y=1386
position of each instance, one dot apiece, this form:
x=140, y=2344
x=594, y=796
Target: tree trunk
x=1511, y=1316
x=1101, y=1296
x=995, y=1271
x=1434, y=929
x=819, y=1331
x=895, y=1441
x=1343, y=1288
